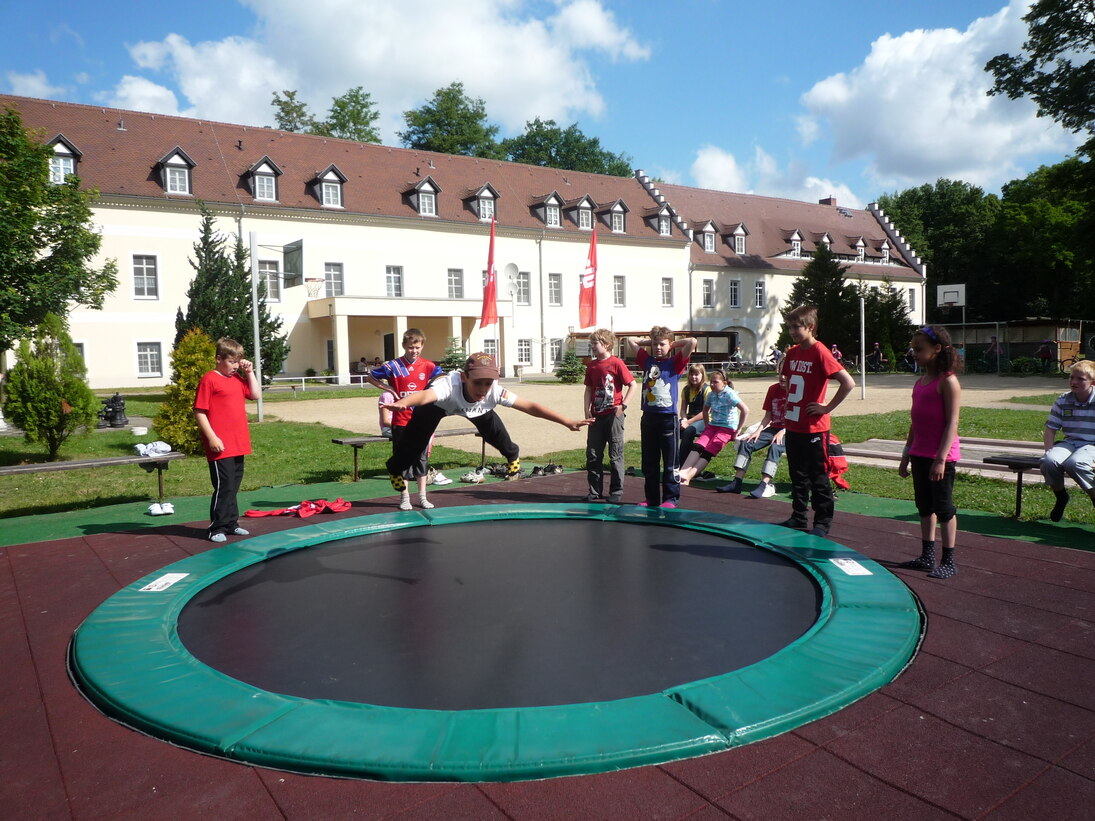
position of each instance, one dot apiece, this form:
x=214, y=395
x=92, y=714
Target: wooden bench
x=358, y=442
x=1019, y=464
x=159, y=461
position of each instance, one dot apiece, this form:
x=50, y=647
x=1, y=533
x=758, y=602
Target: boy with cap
x=473, y=393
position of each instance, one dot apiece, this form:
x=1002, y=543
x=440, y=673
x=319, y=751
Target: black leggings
x=424, y=422
x=932, y=497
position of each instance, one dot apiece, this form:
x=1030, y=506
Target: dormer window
x=332, y=193
x=486, y=208
x=617, y=222
x=175, y=170
x=663, y=225
x=737, y=238
x=551, y=216
x=860, y=250
x=423, y=197
x=796, y=246
x=264, y=180
x=885, y=253
x=739, y=244
x=585, y=219
x=63, y=161
x=826, y=240
x=709, y=241
x=427, y=204
x=327, y=186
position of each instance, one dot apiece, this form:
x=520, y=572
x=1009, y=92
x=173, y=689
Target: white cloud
x=139, y=94
x=520, y=65
x=718, y=169
x=917, y=107
x=33, y=84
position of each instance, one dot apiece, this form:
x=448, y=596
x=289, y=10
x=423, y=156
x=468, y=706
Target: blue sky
x=798, y=99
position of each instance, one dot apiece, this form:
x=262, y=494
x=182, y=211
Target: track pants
x=226, y=475
x=412, y=444
x=807, y=458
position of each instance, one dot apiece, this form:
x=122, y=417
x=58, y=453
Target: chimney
x=829, y=200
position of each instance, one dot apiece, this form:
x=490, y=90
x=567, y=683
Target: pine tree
x=193, y=356
x=219, y=298
x=822, y=284
x=47, y=392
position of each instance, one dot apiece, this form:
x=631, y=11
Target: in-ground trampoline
x=496, y=642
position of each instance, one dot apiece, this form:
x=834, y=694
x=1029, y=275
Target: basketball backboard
x=951, y=296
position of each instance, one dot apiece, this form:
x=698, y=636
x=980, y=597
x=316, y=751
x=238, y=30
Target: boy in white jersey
x=473, y=393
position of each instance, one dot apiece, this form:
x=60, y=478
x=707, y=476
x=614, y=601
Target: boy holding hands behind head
x=605, y=402
x=663, y=365
x=221, y=415
x=808, y=367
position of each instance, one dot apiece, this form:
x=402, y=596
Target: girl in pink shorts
x=727, y=413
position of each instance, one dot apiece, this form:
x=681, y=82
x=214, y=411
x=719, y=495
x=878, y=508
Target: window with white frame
x=393, y=280
x=486, y=208
x=734, y=297
x=149, y=359
x=524, y=351
x=551, y=216
x=266, y=187
x=269, y=273
x=427, y=204
x=555, y=350
x=739, y=244
x=663, y=226
x=619, y=292
x=585, y=218
x=146, y=281
x=860, y=252
x=796, y=247
x=178, y=179
x=333, y=283
x=618, y=222
x=759, y=294
x=555, y=289
x=709, y=242
x=456, y=283
x=524, y=288
x=332, y=194
x=60, y=166
x=885, y=254
x=709, y=293
x=490, y=347
x=667, y=292
x=912, y=299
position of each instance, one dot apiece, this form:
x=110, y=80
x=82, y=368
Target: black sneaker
x=818, y=530
x=539, y=471
x=793, y=523
x=616, y=499
x=592, y=499
x=1059, y=508
x=734, y=486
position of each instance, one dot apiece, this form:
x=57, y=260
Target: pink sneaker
x=669, y=505
x=643, y=504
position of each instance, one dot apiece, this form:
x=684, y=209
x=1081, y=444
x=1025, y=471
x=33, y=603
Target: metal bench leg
x=159, y=477
x=356, y=449
x=1018, y=494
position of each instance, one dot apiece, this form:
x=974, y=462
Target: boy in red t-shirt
x=221, y=414
x=404, y=376
x=808, y=367
x=605, y=401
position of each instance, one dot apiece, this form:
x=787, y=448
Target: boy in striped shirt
x=1074, y=415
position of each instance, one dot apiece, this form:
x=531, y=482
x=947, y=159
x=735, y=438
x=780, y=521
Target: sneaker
x=440, y=478
x=818, y=530
x=473, y=477
x=592, y=499
x=616, y=499
x=763, y=490
x=167, y=508
x=669, y=505
x=793, y=523
x=629, y=471
x=734, y=486
x=539, y=471
x=643, y=504
x=155, y=509
x=554, y=469
x=217, y=537
x=707, y=474
x=239, y=531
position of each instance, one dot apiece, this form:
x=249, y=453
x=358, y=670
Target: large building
x=357, y=242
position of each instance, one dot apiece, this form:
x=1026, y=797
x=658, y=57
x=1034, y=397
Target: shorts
x=714, y=439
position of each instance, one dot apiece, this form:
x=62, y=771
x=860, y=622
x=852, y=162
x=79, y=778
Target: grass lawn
x=288, y=453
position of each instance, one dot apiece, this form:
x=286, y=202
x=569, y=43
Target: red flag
x=587, y=297
x=490, y=287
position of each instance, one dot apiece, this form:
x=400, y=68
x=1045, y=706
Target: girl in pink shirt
x=932, y=447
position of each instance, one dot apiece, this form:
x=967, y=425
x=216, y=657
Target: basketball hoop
x=313, y=286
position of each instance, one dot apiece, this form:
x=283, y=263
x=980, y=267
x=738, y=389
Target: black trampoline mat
x=497, y=614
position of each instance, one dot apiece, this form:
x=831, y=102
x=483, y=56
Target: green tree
x=352, y=116
x=47, y=392
x=47, y=240
x=885, y=320
x=219, y=298
x=570, y=369
x=451, y=122
x=193, y=356
x=1051, y=70
x=454, y=357
x=291, y=114
x=947, y=225
x=822, y=283
x=544, y=143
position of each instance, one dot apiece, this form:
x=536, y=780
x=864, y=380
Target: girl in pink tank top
x=932, y=449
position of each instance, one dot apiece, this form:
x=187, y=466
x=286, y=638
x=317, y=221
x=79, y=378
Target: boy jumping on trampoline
x=473, y=393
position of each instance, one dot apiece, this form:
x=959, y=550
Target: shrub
x=571, y=369
x=195, y=355
x=47, y=392
x=454, y=357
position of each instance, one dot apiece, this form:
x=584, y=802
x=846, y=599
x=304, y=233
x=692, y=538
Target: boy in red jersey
x=605, y=402
x=408, y=374
x=221, y=415
x=808, y=367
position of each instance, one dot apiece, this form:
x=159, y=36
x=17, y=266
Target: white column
x=341, y=327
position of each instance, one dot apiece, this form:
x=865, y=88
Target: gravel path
x=537, y=437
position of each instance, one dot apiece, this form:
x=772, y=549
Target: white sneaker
x=473, y=477
x=155, y=509
x=167, y=507
x=763, y=490
x=239, y=531
x=440, y=478
x=218, y=537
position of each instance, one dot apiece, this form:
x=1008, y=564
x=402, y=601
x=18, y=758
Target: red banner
x=587, y=297
x=489, y=315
